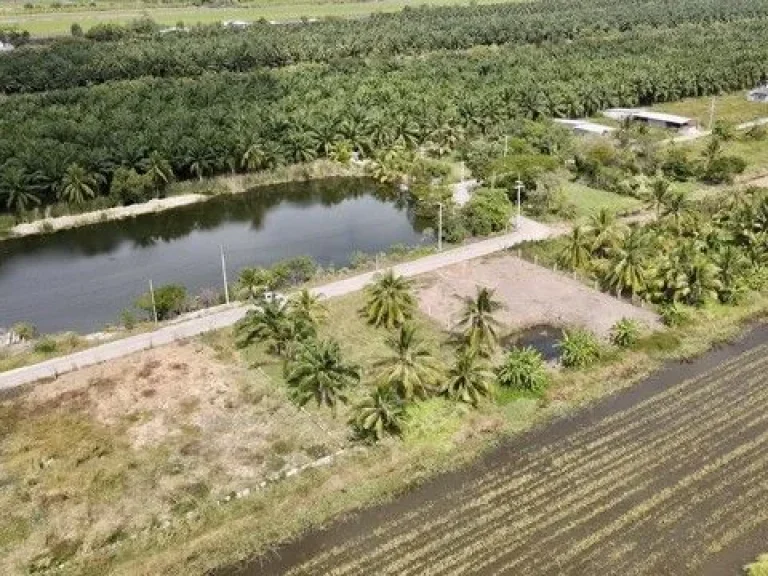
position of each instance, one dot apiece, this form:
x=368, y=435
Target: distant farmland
x=660, y=480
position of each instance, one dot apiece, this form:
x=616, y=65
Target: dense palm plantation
x=352, y=93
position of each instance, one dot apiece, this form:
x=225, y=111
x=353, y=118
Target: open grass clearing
x=588, y=201
x=58, y=23
x=733, y=108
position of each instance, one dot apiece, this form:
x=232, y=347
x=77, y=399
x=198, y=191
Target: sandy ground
x=532, y=295
x=117, y=213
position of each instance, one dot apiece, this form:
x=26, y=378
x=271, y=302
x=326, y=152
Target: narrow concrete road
x=222, y=316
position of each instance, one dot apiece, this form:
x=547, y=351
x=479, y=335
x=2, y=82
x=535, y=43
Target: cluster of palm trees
x=691, y=254
x=411, y=371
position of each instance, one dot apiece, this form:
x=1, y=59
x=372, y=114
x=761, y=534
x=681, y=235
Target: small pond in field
x=544, y=338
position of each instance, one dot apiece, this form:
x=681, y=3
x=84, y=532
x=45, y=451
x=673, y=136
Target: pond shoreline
x=216, y=186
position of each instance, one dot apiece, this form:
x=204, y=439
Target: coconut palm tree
x=254, y=157
x=389, y=301
x=627, y=265
x=657, y=195
x=607, y=231
x=675, y=206
x=159, y=171
x=268, y=322
x=380, y=414
x=308, y=307
x=77, y=185
x=411, y=369
x=16, y=190
x=469, y=378
x=576, y=254
x=319, y=373
x=478, y=324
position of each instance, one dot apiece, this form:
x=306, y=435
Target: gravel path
x=222, y=316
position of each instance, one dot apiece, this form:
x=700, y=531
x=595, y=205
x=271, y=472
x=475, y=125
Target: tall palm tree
x=607, y=231
x=159, y=171
x=675, y=207
x=319, y=373
x=16, y=189
x=254, y=157
x=657, y=195
x=411, y=369
x=389, y=301
x=380, y=414
x=469, y=378
x=627, y=266
x=77, y=185
x=308, y=307
x=478, y=323
x=576, y=254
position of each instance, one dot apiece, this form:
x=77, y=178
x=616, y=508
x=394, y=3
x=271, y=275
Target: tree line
x=111, y=52
x=114, y=140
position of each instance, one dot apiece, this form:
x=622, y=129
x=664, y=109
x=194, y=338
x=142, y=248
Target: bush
x=128, y=319
x=677, y=165
x=46, y=346
x=170, y=301
x=579, y=349
x=129, y=187
x=524, y=369
x=674, y=315
x=488, y=211
x=723, y=169
x=625, y=333
x=294, y=271
x=757, y=133
x=76, y=30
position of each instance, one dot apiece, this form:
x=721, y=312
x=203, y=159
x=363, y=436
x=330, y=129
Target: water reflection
x=82, y=278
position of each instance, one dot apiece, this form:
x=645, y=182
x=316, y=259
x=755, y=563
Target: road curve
x=223, y=316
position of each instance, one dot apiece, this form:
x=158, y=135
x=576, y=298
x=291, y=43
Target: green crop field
x=690, y=459
x=50, y=22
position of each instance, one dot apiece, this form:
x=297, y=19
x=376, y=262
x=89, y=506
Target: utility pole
x=462, y=170
x=519, y=187
x=712, y=113
x=224, y=274
x=154, y=304
x=506, y=145
x=439, y=226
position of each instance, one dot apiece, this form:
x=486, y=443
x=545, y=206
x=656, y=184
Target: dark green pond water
x=81, y=279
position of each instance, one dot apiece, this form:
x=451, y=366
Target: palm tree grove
x=309, y=288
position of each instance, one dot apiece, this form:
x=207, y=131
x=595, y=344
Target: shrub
x=170, y=300
x=128, y=319
x=723, y=169
x=674, y=314
x=625, y=333
x=488, y=211
x=46, y=346
x=76, y=30
x=758, y=132
x=130, y=187
x=677, y=165
x=294, y=271
x=523, y=369
x=579, y=348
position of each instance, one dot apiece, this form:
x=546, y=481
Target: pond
x=81, y=279
x=544, y=338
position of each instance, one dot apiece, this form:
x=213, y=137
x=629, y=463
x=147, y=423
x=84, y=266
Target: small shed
x=585, y=128
x=657, y=119
x=758, y=94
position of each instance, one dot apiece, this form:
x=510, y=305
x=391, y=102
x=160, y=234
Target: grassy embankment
x=439, y=435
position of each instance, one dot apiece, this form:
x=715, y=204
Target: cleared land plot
x=532, y=295
x=667, y=478
x=112, y=450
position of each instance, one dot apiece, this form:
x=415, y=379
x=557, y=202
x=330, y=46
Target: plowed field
x=668, y=478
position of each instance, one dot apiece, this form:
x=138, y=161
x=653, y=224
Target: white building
x=657, y=119
x=585, y=128
x=758, y=94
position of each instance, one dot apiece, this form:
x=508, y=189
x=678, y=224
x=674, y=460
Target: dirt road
x=665, y=479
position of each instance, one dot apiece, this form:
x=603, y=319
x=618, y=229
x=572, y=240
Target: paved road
x=222, y=316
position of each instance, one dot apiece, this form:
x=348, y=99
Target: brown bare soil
x=532, y=295
x=666, y=478
x=139, y=444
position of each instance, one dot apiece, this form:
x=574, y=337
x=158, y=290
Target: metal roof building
x=758, y=94
x=585, y=128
